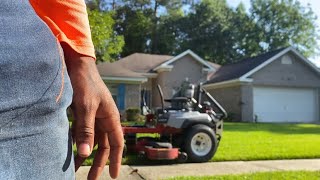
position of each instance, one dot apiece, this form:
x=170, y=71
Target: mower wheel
x=182, y=157
x=200, y=143
x=142, y=155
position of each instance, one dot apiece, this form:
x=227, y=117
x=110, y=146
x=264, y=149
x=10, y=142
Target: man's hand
x=97, y=119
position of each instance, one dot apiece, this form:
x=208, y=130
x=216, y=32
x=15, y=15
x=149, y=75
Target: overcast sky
x=315, y=5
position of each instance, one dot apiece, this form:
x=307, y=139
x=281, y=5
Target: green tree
x=108, y=44
x=169, y=31
x=285, y=23
x=147, y=25
x=208, y=31
x=245, y=34
x=135, y=26
x=209, y=27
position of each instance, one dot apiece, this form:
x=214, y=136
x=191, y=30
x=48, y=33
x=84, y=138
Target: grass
x=250, y=141
x=278, y=175
x=257, y=141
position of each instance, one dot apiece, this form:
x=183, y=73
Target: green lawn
x=279, y=175
x=258, y=141
x=249, y=141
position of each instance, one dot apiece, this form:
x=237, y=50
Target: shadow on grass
x=280, y=128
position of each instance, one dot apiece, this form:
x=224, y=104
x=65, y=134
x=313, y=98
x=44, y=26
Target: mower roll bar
x=200, y=92
x=161, y=96
x=215, y=102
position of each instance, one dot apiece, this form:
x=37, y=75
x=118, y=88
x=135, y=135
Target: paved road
x=203, y=169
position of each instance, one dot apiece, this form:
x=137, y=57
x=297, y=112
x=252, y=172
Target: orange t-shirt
x=68, y=20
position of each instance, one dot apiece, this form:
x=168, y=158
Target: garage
x=277, y=86
x=274, y=104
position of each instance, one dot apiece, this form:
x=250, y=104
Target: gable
x=188, y=64
x=186, y=67
x=287, y=70
x=169, y=64
x=182, y=69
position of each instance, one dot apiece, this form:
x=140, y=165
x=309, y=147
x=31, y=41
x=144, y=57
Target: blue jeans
x=35, y=91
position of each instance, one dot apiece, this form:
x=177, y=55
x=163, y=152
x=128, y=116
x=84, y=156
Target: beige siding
x=230, y=100
x=297, y=74
x=246, y=103
x=147, y=85
x=133, y=96
x=186, y=67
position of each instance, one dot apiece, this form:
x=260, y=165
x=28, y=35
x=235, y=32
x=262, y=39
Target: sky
x=315, y=5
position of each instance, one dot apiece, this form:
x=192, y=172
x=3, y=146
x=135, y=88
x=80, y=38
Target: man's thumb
x=84, y=150
x=85, y=133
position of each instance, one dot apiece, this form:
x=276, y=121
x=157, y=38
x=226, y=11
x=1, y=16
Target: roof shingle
x=236, y=70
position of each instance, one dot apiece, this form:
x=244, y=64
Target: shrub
x=133, y=114
x=230, y=117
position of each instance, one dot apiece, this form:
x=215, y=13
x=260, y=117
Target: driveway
x=203, y=169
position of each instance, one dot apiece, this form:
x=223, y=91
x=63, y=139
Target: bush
x=230, y=117
x=133, y=114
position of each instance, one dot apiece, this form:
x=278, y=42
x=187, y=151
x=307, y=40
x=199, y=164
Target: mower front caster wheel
x=182, y=157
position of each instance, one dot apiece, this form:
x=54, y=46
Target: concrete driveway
x=203, y=169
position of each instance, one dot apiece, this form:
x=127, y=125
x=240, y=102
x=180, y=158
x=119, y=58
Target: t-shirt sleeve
x=68, y=20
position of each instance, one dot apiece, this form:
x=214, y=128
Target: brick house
x=137, y=74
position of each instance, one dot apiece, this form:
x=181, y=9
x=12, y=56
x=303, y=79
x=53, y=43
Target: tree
x=246, y=35
x=108, y=44
x=141, y=23
x=208, y=31
x=135, y=26
x=285, y=23
x=211, y=28
x=169, y=30
x=147, y=25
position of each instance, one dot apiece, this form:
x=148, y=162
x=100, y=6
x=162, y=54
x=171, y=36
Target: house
x=136, y=76
x=279, y=86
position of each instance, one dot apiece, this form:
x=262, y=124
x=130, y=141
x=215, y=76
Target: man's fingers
x=116, y=150
x=112, y=126
x=85, y=114
x=101, y=157
x=78, y=160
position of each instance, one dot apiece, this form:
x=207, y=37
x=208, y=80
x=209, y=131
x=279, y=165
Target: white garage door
x=284, y=104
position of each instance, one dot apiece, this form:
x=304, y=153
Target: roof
x=216, y=66
x=140, y=62
x=241, y=71
x=111, y=69
x=139, y=65
x=134, y=66
x=236, y=70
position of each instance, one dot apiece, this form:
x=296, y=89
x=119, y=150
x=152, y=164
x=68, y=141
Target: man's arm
x=96, y=115
x=97, y=119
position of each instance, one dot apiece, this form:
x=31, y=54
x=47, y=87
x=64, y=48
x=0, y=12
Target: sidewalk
x=203, y=169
